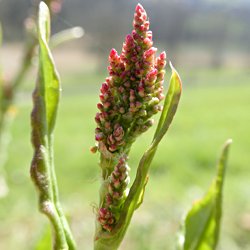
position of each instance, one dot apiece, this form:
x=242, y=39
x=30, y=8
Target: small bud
x=113, y=54
x=103, y=212
x=147, y=43
x=151, y=76
x=107, y=125
x=153, y=101
x=142, y=113
x=111, y=139
x=107, y=227
x=116, y=195
x=149, y=35
x=99, y=106
x=104, y=89
x=141, y=92
x=109, y=199
x=148, y=54
x=129, y=40
x=117, y=183
x=163, y=55
x=99, y=136
x=118, y=133
x=97, y=118
x=93, y=149
x=111, y=221
x=122, y=110
x=106, y=105
x=139, y=9
x=112, y=148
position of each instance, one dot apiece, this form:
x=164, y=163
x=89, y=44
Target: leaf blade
x=202, y=223
x=45, y=102
x=49, y=77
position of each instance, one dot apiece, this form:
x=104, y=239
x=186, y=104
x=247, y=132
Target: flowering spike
x=129, y=97
x=118, y=182
x=135, y=79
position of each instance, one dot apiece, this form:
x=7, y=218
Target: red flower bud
x=104, y=89
x=99, y=136
x=99, y=106
x=106, y=105
x=112, y=148
x=151, y=76
x=150, y=52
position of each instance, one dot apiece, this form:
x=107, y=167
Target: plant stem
x=67, y=232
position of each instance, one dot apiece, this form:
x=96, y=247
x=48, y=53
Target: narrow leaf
x=170, y=103
x=43, y=117
x=202, y=223
x=49, y=78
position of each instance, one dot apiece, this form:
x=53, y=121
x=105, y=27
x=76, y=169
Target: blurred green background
x=209, y=44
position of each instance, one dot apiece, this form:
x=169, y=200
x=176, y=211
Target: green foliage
x=202, y=223
x=173, y=177
x=46, y=98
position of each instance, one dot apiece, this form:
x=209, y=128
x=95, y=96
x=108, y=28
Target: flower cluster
x=131, y=94
x=117, y=185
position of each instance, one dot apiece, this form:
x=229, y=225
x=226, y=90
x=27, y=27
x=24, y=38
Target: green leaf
x=135, y=196
x=170, y=105
x=48, y=76
x=202, y=223
x=43, y=117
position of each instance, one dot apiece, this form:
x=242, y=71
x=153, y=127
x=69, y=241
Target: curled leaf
x=43, y=117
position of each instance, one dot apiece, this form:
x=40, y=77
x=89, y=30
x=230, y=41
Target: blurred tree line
x=218, y=26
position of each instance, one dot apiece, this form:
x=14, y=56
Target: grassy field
x=215, y=106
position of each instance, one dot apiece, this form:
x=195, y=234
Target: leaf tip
x=175, y=74
x=44, y=21
x=43, y=8
x=229, y=142
x=226, y=145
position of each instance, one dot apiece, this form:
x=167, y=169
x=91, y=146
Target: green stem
x=63, y=220
x=99, y=245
